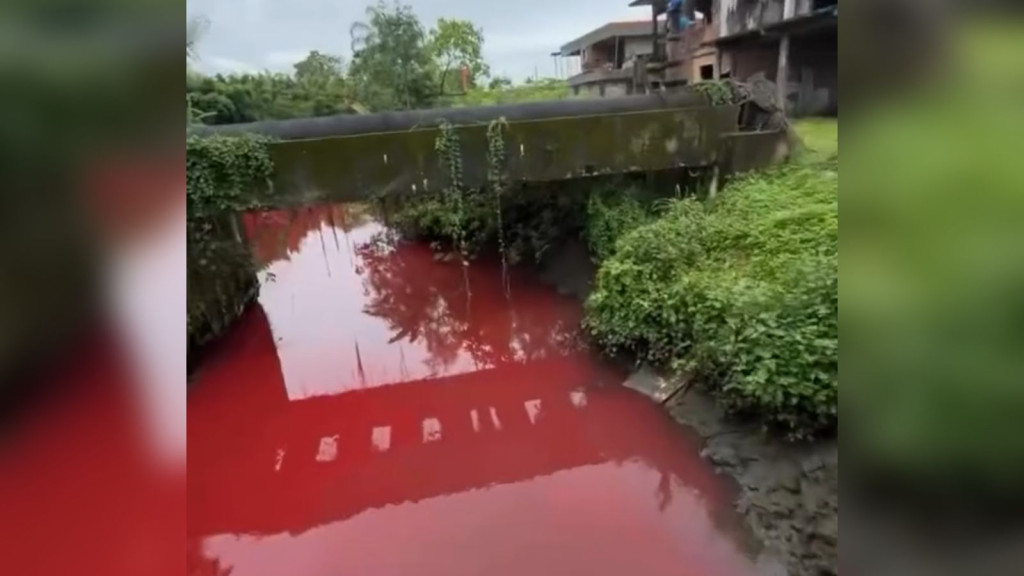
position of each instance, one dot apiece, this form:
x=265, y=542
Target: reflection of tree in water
x=275, y=235
x=423, y=300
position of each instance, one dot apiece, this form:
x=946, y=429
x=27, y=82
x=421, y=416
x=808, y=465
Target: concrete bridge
x=348, y=158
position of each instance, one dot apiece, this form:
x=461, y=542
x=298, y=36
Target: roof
x=610, y=30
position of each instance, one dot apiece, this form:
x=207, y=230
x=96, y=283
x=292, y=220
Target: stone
x=646, y=382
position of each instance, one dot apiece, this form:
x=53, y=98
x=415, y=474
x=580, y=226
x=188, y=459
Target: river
x=381, y=412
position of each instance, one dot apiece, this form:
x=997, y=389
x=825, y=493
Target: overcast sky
x=253, y=35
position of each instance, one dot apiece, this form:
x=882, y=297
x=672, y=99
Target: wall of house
x=636, y=47
x=602, y=89
x=598, y=55
x=813, y=76
x=700, y=60
x=812, y=86
x=737, y=16
x=748, y=59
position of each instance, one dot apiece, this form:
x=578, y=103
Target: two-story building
x=610, y=56
x=793, y=40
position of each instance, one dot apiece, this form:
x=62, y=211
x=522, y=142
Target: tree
x=456, y=44
x=391, y=65
x=194, y=29
x=499, y=83
x=319, y=69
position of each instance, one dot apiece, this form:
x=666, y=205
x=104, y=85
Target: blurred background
x=932, y=278
x=91, y=288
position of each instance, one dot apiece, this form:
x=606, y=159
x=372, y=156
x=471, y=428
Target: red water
x=380, y=413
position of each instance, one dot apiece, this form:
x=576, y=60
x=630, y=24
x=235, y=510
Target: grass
x=820, y=137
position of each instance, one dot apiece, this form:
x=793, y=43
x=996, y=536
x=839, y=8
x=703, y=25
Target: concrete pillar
x=782, y=78
x=788, y=9
x=654, y=31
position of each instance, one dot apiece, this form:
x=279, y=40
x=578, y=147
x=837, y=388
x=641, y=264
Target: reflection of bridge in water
x=328, y=458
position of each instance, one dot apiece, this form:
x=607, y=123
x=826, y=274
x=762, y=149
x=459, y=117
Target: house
x=742, y=39
x=610, y=56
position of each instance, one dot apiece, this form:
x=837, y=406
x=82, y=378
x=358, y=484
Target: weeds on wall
x=224, y=176
x=717, y=92
x=518, y=221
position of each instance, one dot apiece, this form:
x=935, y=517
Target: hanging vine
x=449, y=151
x=496, y=157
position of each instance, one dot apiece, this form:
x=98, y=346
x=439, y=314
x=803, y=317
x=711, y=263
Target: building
x=743, y=39
x=610, y=57
x=793, y=42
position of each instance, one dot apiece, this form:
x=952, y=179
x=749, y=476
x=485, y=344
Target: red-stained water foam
x=380, y=413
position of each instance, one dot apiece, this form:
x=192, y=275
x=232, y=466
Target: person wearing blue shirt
x=677, y=19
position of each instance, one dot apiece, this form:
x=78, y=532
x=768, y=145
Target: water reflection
x=498, y=449
x=351, y=308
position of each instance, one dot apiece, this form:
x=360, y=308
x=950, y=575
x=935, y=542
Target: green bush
x=224, y=176
x=741, y=293
x=612, y=211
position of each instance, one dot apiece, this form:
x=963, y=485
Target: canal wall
x=221, y=280
x=224, y=177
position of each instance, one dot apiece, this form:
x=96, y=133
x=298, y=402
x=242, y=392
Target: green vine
x=717, y=92
x=449, y=150
x=226, y=173
x=224, y=176
x=496, y=181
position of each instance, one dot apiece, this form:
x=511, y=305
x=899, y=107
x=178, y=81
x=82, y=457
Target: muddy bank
x=788, y=493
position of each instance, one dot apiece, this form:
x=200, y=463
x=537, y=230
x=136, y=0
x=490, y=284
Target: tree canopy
x=396, y=64
x=458, y=44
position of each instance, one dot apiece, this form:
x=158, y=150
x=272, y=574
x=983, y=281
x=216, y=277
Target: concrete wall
x=813, y=81
x=813, y=75
x=737, y=16
x=606, y=89
x=637, y=47
x=349, y=168
x=748, y=59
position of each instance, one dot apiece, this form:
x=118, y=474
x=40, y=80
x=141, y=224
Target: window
x=707, y=72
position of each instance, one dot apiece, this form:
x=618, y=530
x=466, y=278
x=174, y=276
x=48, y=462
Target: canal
x=383, y=411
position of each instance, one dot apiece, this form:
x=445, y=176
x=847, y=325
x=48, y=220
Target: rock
x=646, y=382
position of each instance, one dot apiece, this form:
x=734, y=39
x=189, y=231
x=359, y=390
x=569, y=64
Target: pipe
x=351, y=125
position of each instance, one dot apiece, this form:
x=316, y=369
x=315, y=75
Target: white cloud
x=222, y=65
x=284, y=59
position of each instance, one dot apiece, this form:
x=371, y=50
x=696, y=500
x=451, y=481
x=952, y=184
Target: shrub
x=224, y=176
x=612, y=211
x=742, y=293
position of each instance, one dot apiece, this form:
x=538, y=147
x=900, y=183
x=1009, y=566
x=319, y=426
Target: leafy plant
x=717, y=92
x=742, y=293
x=224, y=175
x=613, y=211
